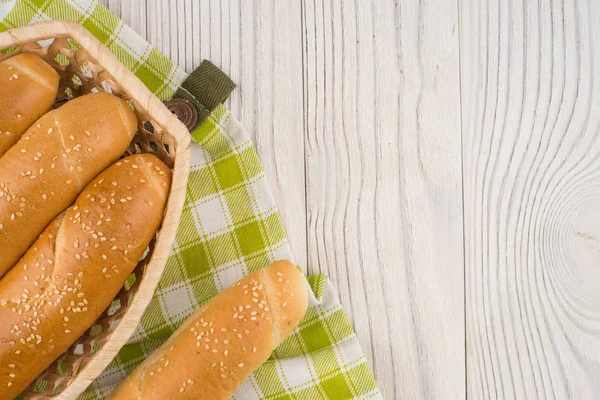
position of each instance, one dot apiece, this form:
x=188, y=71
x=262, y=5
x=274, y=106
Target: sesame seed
x=226, y=352
x=11, y=365
x=254, y=350
x=240, y=365
x=181, y=390
x=50, y=130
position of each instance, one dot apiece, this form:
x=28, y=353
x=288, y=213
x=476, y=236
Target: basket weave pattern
x=85, y=66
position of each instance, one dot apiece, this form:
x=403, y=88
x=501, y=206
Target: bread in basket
x=85, y=65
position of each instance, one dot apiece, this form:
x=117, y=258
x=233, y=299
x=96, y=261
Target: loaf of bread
x=27, y=92
x=44, y=172
x=74, y=270
x=219, y=346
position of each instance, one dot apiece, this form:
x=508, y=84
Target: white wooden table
x=440, y=160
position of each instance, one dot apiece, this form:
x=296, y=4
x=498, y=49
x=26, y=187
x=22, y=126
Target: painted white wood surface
x=375, y=121
x=531, y=146
x=384, y=183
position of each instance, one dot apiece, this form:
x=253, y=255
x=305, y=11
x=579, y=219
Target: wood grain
x=530, y=84
x=384, y=183
x=357, y=110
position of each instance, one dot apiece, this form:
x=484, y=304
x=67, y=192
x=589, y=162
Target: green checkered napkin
x=229, y=228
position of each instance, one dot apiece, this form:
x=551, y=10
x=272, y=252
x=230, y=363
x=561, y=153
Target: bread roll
x=219, y=346
x=28, y=90
x=77, y=266
x=42, y=174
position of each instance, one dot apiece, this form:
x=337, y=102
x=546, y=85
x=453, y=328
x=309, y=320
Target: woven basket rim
x=159, y=112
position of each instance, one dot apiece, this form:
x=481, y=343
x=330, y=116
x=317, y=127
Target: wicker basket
x=85, y=65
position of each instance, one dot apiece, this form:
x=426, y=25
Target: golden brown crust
x=43, y=173
x=77, y=266
x=219, y=346
x=28, y=89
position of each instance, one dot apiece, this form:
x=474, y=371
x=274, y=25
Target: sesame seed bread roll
x=27, y=92
x=220, y=345
x=55, y=159
x=77, y=266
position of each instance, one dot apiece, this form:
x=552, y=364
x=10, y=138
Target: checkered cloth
x=230, y=227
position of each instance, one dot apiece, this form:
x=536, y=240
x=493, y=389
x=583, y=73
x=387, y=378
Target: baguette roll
x=27, y=92
x=42, y=174
x=74, y=270
x=220, y=345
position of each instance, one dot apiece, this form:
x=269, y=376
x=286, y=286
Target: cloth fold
x=206, y=87
x=230, y=227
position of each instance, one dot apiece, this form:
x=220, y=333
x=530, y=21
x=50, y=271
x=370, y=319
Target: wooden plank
x=383, y=150
x=530, y=82
x=259, y=46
